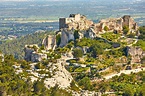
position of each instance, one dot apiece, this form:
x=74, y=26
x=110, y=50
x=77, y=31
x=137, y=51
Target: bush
x=76, y=34
x=58, y=39
x=125, y=30
x=85, y=83
x=77, y=53
x=106, y=28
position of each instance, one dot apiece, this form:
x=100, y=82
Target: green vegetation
x=141, y=44
x=58, y=39
x=142, y=33
x=85, y=83
x=127, y=85
x=125, y=30
x=106, y=28
x=20, y=84
x=111, y=36
x=79, y=69
x=77, y=53
x=76, y=34
x=16, y=47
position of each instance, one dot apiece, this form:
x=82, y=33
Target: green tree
x=128, y=91
x=58, y=39
x=39, y=87
x=77, y=53
x=86, y=83
x=125, y=30
x=106, y=28
x=76, y=34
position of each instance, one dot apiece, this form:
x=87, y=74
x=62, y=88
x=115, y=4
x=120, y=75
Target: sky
x=59, y=0
x=30, y=0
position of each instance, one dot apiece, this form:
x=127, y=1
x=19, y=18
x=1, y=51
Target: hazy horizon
x=93, y=9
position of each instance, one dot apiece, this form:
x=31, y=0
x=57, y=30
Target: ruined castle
x=89, y=29
x=80, y=22
x=75, y=21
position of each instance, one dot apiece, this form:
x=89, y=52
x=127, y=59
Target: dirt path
x=125, y=72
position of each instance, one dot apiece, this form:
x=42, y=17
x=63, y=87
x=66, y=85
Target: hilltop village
x=83, y=50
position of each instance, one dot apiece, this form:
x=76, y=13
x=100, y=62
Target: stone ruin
x=75, y=21
x=136, y=54
x=89, y=29
x=80, y=22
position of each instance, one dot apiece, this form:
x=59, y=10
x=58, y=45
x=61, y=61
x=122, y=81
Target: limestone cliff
x=66, y=36
x=60, y=76
x=32, y=54
x=136, y=54
x=49, y=42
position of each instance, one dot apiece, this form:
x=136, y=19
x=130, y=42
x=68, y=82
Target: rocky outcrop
x=35, y=54
x=29, y=49
x=49, y=42
x=32, y=54
x=1, y=57
x=60, y=76
x=90, y=33
x=66, y=36
x=37, y=57
x=135, y=53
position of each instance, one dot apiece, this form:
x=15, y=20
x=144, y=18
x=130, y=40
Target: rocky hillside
x=82, y=54
x=85, y=59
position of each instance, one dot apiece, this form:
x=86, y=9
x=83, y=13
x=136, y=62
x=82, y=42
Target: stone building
x=75, y=21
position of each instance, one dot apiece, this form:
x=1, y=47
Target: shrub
x=106, y=28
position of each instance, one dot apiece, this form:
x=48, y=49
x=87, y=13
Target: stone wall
x=75, y=21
